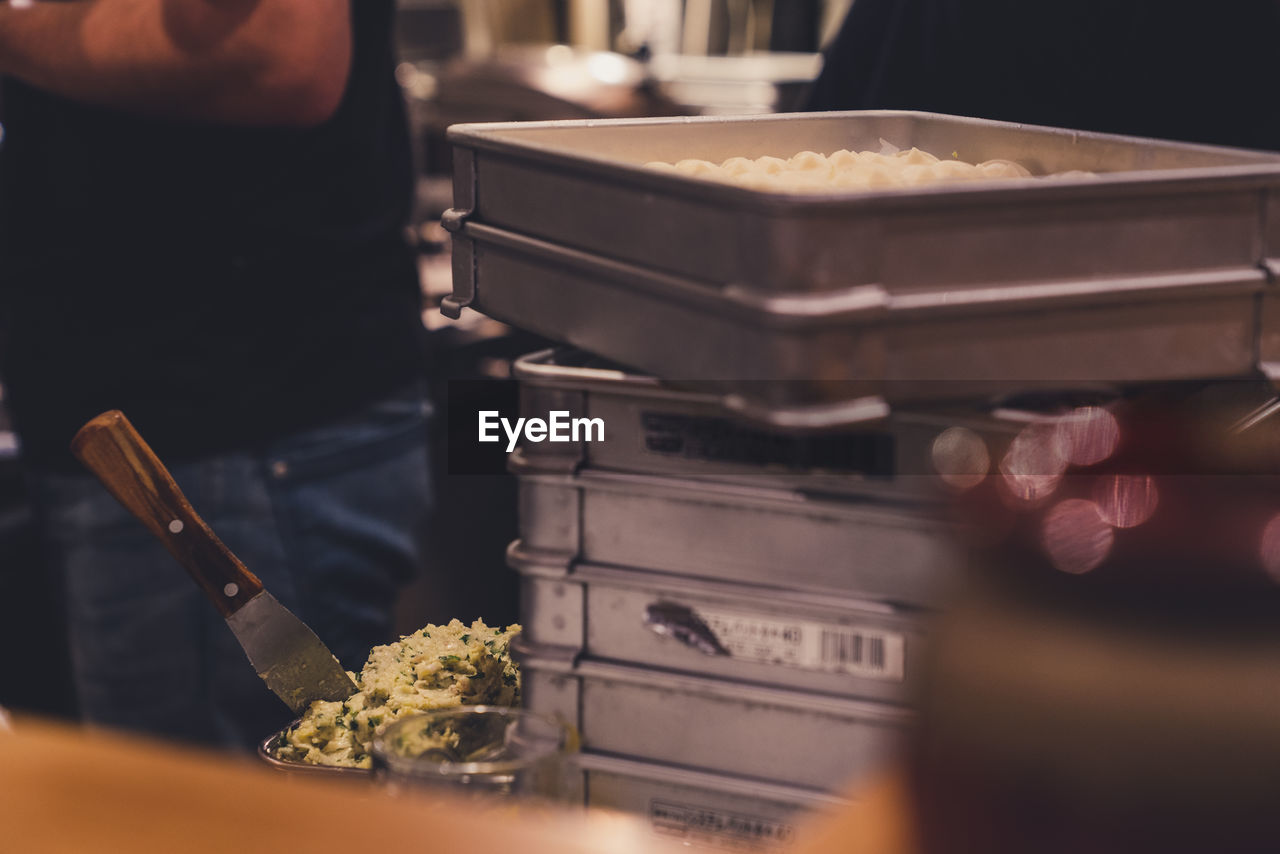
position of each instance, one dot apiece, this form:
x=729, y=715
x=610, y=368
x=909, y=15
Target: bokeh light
x=1270, y=548
x=1089, y=435
x=1124, y=500
x=1075, y=536
x=961, y=457
x=1034, y=464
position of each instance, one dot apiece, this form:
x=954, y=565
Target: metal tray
x=1156, y=208
x=651, y=428
x=835, y=358
x=1152, y=272
x=700, y=808
x=697, y=529
x=787, y=737
x=783, y=639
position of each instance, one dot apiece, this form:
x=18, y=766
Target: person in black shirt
x=201, y=224
x=1194, y=72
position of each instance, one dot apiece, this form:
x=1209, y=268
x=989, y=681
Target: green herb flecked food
x=436, y=668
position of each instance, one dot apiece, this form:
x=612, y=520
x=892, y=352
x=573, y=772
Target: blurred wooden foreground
x=71, y=790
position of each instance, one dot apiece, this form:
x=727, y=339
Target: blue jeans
x=332, y=521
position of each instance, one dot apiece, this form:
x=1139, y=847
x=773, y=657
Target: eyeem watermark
x=557, y=427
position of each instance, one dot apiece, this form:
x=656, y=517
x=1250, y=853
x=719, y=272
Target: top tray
x=1157, y=208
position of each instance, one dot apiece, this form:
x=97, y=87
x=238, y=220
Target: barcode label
x=855, y=649
x=831, y=647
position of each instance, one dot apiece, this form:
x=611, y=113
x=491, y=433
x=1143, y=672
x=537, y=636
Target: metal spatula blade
x=294, y=663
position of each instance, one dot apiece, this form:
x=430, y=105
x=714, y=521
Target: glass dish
x=479, y=750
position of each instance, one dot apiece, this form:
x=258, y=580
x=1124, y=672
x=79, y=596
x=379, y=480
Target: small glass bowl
x=478, y=750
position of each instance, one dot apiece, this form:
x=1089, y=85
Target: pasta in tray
x=844, y=170
x=435, y=668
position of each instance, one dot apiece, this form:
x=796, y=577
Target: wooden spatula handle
x=111, y=448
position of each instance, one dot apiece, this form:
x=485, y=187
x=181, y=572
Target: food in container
x=811, y=171
x=434, y=668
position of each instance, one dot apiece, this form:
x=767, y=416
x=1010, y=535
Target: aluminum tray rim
x=566, y=569
x=869, y=305
x=899, y=511
x=540, y=370
x=569, y=662
x=487, y=136
x=657, y=772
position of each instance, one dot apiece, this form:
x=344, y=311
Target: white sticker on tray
x=830, y=647
x=716, y=826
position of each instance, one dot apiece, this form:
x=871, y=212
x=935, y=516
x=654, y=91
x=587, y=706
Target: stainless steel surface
x=787, y=737
x=698, y=807
x=827, y=358
x=838, y=645
x=1156, y=208
x=652, y=428
x=286, y=653
x=770, y=537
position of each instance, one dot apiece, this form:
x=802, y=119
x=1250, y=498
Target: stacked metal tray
x=699, y=808
x=735, y=634
x=840, y=646
x=804, y=306
x=772, y=538
x=729, y=597
x=786, y=737
x=694, y=584
x=654, y=429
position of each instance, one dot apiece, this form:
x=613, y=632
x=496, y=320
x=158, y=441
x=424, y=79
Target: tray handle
x=542, y=366
x=454, y=221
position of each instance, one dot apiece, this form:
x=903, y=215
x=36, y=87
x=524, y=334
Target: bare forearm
x=238, y=61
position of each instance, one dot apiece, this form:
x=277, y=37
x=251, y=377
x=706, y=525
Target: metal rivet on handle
x=231, y=590
x=176, y=526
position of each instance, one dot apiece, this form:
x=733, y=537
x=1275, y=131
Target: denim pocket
x=351, y=501
x=382, y=430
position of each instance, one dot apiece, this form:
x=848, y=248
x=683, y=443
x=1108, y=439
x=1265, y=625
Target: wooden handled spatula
x=294, y=663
